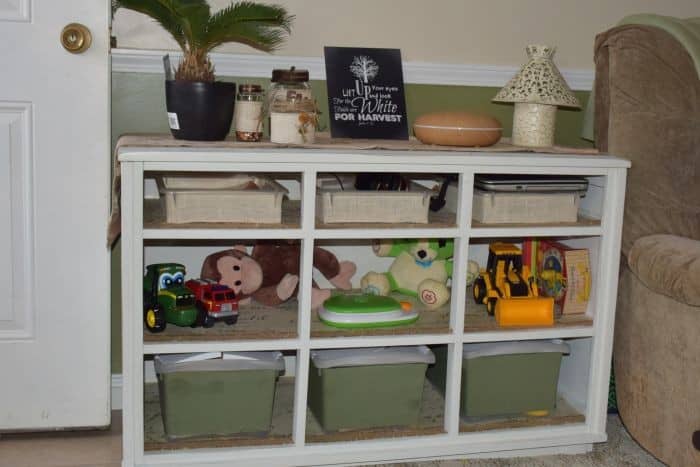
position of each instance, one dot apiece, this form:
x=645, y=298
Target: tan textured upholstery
x=668, y=265
x=648, y=110
x=657, y=371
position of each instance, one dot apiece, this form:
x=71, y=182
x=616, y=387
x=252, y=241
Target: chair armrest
x=668, y=265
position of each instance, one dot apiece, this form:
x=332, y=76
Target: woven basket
x=194, y=203
x=524, y=208
x=373, y=206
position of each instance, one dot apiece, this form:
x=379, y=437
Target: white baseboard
x=118, y=384
x=260, y=66
x=116, y=396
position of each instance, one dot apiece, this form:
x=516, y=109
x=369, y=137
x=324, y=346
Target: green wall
x=138, y=106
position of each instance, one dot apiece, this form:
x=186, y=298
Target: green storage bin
x=503, y=378
x=217, y=394
x=367, y=388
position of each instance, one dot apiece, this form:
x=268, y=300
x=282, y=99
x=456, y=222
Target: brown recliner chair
x=647, y=109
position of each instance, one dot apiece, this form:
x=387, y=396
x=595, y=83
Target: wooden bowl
x=457, y=129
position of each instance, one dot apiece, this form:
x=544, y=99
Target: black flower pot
x=200, y=111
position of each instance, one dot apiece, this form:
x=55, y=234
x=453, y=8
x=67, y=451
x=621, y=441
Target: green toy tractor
x=165, y=297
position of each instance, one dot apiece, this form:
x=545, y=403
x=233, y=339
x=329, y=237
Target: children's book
x=562, y=273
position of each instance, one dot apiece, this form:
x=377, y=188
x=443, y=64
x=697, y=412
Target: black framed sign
x=365, y=93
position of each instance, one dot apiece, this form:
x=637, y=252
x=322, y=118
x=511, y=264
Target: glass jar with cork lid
x=248, y=113
x=292, y=107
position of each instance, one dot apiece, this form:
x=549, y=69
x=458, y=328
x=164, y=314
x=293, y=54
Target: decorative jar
x=292, y=107
x=248, y=113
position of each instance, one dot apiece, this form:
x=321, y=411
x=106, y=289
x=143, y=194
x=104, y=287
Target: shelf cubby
x=154, y=219
x=184, y=190
x=436, y=220
x=477, y=320
x=255, y=322
x=402, y=194
x=429, y=322
x=563, y=414
x=280, y=432
x=430, y=422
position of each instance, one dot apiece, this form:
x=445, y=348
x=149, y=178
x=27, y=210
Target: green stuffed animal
x=421, y=269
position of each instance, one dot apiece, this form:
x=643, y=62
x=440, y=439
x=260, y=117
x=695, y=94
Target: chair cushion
x=669, y=265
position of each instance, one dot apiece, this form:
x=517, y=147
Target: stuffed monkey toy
x=270, y=274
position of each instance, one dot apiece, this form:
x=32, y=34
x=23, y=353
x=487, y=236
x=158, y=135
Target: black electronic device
x=380, y=181
x=529, y=183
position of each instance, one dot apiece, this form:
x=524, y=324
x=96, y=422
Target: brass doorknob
x=76, y=38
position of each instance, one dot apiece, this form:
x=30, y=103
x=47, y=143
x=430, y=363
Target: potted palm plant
x=199, y=107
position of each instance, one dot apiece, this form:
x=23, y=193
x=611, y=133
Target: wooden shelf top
x=258, y=322
x=563, y=414
x=255, y=321
x=476, y=319
x=582, y=221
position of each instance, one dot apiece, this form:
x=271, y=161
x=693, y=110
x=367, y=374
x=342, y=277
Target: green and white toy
x=365, y=311
x=421, y=269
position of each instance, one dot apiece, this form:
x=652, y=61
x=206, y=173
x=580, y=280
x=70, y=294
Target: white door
x=54, y=201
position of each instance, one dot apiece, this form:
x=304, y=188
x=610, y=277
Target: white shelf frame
x=574, y=437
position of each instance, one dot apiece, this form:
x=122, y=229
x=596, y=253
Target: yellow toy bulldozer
x=509, y=291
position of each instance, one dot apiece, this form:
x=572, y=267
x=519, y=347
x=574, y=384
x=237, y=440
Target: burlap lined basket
x=373, y=206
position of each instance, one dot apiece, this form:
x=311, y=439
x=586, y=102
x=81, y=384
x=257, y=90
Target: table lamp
x=537, y=90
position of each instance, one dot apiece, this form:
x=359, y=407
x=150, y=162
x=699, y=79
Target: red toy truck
x=214, y=302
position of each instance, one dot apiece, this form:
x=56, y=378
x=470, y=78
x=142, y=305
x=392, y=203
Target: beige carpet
x=103, y=449
x=620, y=451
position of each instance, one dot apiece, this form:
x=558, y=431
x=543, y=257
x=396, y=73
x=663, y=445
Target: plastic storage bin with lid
x=367, y=387
x=217, y=394
x=503, y=378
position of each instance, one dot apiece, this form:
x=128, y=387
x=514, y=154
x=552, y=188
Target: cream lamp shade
x=537, y=90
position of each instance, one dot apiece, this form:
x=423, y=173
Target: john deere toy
x=165, y=297
x=509, y=291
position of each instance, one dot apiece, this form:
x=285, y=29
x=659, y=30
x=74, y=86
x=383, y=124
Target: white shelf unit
x=585, y=377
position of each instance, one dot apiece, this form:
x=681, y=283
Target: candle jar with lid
x=248, y=113
x=292, y=108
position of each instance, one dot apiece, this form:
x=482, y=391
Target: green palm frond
x=194, y=16
x=263, y=27
x=162, y=12
x=197, y=31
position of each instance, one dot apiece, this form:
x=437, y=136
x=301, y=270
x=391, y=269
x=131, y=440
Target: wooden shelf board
x=429, y=322
x=258, y=322
x=582, y=221
x=254, y=322
x=563, y=414
x=376, y=433
x=476, y=319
